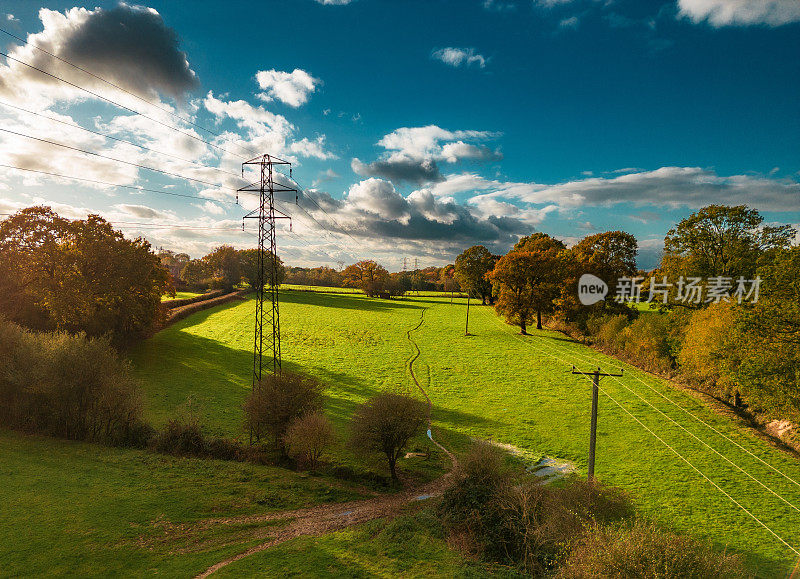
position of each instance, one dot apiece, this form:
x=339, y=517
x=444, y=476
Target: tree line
x=697, y=325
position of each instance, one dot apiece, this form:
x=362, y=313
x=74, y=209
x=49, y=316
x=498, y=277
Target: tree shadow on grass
x=343, y=301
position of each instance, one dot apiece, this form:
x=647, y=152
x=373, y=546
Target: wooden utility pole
x=466, y=330
x=593, y=432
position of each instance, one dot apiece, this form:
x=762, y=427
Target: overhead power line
x=140, y=166
x=126, y=91
x=109, y=184
x=107, y=136
x=679, y=455
x=108, y=100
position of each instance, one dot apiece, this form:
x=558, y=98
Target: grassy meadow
x=77, y=509
x=179, y=296
x=81, y=509
x=495, y=384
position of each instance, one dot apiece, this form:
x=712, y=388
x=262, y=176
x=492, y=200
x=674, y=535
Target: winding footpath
x=324, y=519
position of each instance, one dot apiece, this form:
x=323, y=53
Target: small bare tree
x=385, y=423
x=307, y=438
x=278, y=400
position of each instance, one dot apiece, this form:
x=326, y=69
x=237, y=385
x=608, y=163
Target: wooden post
x=596, y=374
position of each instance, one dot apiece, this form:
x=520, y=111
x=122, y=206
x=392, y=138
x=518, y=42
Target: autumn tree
x=195, y=273
x=470, y=271
x=610, y=255
x=528, y=279
x=248, y=262
x=224, y=264
x=79, y=275
x=385, y=424
x=368, y=275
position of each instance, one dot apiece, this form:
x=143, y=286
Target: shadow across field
x=343, y=301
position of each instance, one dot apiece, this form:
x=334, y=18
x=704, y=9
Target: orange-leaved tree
x=528, y=279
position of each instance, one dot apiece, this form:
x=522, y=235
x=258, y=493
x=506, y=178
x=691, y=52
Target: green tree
x=528, y=279
x=195, y=273
x=385, y=424
x=766, y=340
x=223, y=261
x=721, y=240
x=471, y=268
x=248, y=262
x=80, y=275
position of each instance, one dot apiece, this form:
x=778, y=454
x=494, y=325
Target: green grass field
x=80, y=509
x=76, y=509
x=496, y=384
x=179, y=296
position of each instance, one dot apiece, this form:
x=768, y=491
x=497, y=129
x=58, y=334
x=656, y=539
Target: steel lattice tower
x=267, y=288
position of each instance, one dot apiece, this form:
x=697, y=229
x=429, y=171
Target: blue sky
x=421, y=127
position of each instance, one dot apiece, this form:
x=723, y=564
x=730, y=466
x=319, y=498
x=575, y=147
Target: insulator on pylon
x=290, y=171
x=237, y=197
x=296, y=199
x=290, y=226
x=242, y=225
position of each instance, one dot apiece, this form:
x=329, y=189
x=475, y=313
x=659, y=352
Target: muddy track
x=323, y=519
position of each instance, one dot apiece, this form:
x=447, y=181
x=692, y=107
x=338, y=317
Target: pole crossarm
x=592, y=373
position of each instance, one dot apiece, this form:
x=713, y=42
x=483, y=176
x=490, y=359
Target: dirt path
x=323, y=519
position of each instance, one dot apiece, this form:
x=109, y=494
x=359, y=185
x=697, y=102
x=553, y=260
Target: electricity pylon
x=267, y=285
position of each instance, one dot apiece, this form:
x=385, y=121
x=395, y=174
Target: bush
x=69, y=386
x=384, y=424
x=278, y=400
x=515, y=521
x=181, y=437
x=645, y=551
x=307, y=438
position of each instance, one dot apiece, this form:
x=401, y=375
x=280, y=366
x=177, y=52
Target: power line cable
x=134, y=95
x=698, y=419
x=78, y=149
x=107, y=136
x=684, y=459
x=133, y=187
x=134, y=111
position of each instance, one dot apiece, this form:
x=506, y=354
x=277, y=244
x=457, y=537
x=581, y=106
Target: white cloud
x=412, y=153
x=334, y=2
x=315, y=148
x=456, y=57
x=11, y=18
x=571, y=22
x=378, y=197
x=291, y=88
x=670, y=187
x=210, y=207
x=741, y=12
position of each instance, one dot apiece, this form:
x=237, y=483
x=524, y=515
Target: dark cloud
x=133, y=47
x=417, y=171
x=130, y=46
x=373, y=208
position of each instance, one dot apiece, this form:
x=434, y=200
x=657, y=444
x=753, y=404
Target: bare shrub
x=307, y=438
x=384, y=424
x=69, y=386
x=278, y=400
x=181, y=436
x=643, y=550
